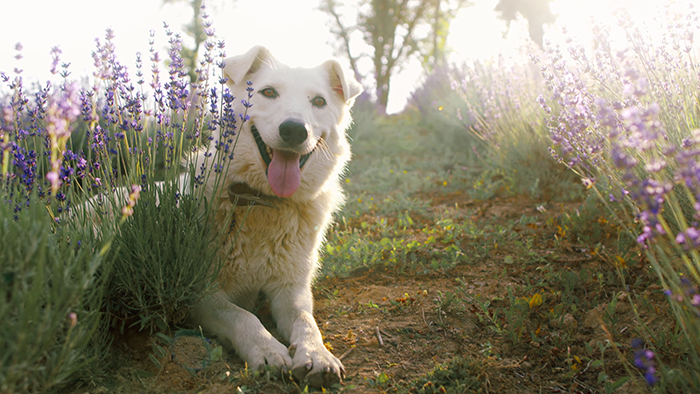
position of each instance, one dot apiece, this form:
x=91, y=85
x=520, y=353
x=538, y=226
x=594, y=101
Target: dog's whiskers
x=325, y=149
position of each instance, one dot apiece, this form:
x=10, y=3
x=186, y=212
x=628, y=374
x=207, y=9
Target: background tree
x=440, y=15
x=537, y=13
x=395, y=30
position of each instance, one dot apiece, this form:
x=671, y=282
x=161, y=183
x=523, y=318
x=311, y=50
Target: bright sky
x=295, y=31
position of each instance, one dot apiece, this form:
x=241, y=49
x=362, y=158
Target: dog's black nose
x=293, y=132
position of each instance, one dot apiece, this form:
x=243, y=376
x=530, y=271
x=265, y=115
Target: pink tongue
x=283, y=173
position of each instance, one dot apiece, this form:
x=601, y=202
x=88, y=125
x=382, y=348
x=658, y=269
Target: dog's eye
x=269, y=93
x=318, y=101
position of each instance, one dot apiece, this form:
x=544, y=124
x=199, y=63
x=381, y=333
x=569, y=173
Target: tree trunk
x=437, y=55
x=382, y=93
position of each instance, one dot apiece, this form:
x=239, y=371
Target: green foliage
x=461, y=375
x=164, y=259
x=404, y=243
x=400, y=156
x=194, y=30
x=50, y=301
x=382, y=381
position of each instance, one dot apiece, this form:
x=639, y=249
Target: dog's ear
x=237, y=67
x=346, y=86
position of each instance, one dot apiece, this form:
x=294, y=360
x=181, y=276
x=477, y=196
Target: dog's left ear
x=237, y=67
x=346, y=86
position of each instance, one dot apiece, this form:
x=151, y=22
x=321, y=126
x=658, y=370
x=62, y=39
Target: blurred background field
x=522, y=209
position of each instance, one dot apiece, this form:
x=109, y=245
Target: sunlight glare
x=576, y=17
x=478, y=34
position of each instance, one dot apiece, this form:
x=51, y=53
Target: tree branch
x=344, y=35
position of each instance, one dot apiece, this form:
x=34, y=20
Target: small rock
x=569, y=321
x=593, y=343
x=593, y=318
x=623, y=308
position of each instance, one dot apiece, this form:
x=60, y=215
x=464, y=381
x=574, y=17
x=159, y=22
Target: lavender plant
x=108, y=160
x=50, y=301
x=500, y=109
x=164, y=256
x=624, y=118
x=52, y=296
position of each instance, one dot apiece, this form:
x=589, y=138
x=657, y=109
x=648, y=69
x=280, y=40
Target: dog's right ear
x=237, y=67
x=347, y=86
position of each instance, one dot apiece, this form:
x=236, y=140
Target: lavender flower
x=690, y=238
x=62, y=112
x=644, y=360
x=133, y=124
x=687, y=295
x=55, y=59
x=18, y=56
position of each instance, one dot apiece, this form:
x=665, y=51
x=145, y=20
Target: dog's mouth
x=283, y=167
x=266, y=152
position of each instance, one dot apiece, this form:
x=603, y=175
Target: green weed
x=461, y=375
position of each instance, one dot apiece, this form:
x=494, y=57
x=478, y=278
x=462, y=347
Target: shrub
x=164, y=259
x=50, y=302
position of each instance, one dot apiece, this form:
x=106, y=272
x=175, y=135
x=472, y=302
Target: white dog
x=288, y=160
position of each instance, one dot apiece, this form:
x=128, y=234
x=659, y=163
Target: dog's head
x=294, y=141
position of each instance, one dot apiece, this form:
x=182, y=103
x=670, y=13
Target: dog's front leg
x=292, y=307
x=241, y=330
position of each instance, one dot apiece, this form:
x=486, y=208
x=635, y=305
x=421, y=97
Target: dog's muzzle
x=283, y=167
x=266, y=151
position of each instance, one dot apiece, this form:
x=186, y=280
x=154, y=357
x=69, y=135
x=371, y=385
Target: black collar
x=240, y=194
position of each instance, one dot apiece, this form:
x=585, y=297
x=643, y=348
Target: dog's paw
x=271, y=353
x=316, y=365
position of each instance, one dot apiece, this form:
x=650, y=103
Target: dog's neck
x=241, y=194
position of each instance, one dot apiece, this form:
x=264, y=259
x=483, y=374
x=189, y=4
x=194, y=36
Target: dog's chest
x=272, y=246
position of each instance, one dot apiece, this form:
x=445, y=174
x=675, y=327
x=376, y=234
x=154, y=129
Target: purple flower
x=52, y=177
x=688, y=292
x=63, y=110
x=688, y=238
x=55, y=58
x=644, y=360
x=621, y=159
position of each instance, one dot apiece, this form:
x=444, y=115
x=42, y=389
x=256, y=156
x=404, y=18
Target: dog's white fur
x=276, y=250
